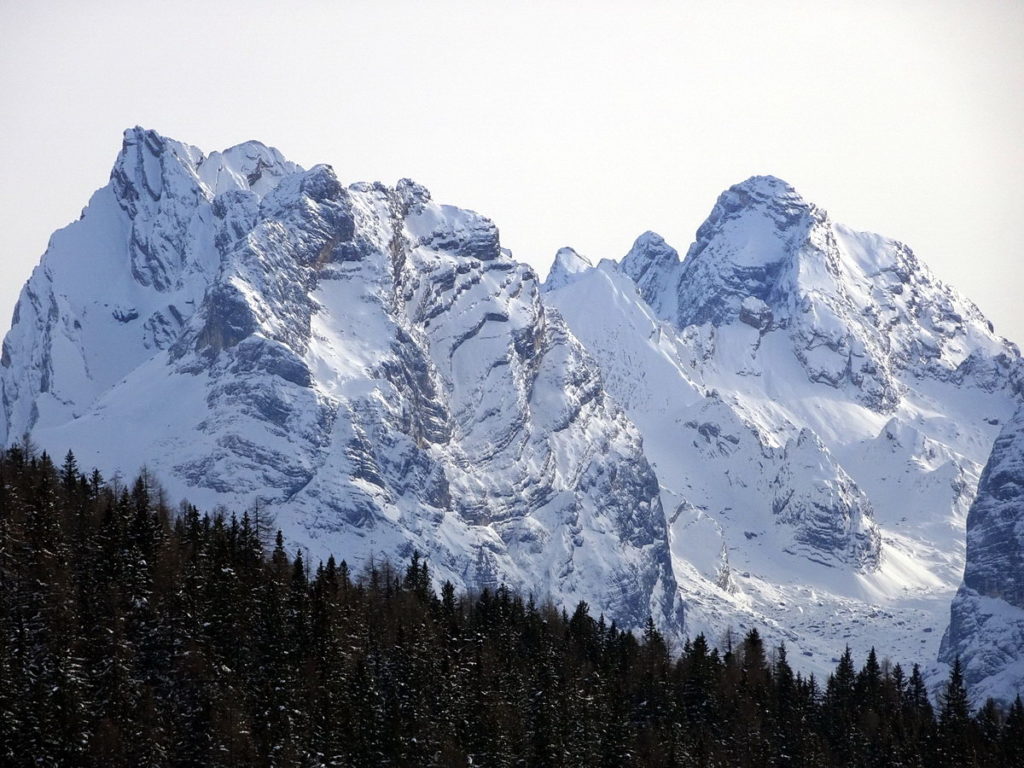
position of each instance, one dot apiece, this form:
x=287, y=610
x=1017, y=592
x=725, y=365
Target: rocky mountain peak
x=754, y=244
x=764, y=190
x=250, y=165
x=858, y=308
x=760, y=238
x=566, y=266
x=151, y=167
x=649, y=249
x=653, y=265
x=413, y=195
x=761, y=205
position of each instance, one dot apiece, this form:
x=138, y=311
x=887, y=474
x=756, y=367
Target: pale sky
x=568, y=123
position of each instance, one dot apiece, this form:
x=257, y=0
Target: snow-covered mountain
x=368, y=364
x=817, y=407
x=785, y=428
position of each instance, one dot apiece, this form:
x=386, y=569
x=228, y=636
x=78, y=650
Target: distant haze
x=578, y=124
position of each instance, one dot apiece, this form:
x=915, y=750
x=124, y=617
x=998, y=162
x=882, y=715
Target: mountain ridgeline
x=783, y=429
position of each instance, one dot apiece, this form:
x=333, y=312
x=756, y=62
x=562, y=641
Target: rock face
x=986, y=628
x=368, y=364
x=784, y=429
x=831, y=516
x=653, y=265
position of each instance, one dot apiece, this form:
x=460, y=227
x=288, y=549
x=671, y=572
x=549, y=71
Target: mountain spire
x=565, y=267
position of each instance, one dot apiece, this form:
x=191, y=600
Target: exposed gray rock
x=832, y=519
x=986, y=628
x=654, y=266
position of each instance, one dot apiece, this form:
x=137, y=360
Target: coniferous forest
x=134, y=634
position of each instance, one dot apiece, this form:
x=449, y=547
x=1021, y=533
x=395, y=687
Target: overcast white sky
x=568, y=123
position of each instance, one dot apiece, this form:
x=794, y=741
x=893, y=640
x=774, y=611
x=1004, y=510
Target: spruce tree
x=954, y=727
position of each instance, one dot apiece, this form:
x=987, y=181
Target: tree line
x=134, y=634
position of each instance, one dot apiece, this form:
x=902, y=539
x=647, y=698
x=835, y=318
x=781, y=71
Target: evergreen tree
x=839, y=712
x=954, y=732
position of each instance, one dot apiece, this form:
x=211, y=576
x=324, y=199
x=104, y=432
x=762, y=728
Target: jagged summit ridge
x=858, y=307
x=150, y=166
x=745, y=250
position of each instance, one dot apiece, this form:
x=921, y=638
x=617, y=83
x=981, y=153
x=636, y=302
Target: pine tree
x=918, y=715
x=839, y=712
x=954, y=732
x=786, y=725
x=69, y=473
